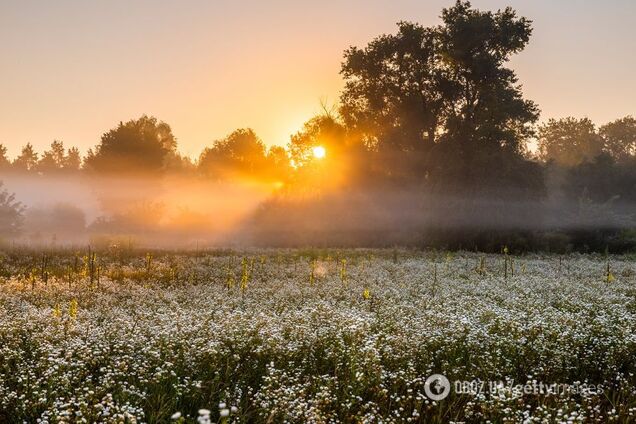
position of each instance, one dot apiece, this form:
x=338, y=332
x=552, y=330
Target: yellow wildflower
x=72, y=308
x=366, y=294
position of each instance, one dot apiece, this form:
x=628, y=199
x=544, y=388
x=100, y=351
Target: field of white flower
x=314, y=336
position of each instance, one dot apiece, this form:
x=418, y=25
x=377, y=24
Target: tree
x=27, y=160
x=395, y=91
x=53, y=159
x=241, y=153
x=487, y=101
x=4, y=160
x=423, y=85
x=72, y=160
x=11, y=213
x=137, y=146
x=619, y=138
x=569, y=141
x=439, y=105
x=58, y=159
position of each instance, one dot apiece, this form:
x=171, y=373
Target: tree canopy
x=619, y=138
x=242, y=154
x=27, y=160
x=569, y=141
x=137, y=146
x=424, y=85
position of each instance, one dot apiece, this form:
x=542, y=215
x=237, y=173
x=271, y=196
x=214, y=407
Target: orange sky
x=71, y=70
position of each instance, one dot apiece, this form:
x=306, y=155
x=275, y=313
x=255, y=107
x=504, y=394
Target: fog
x=191, y=212
x=411, y=216
x=171, y=211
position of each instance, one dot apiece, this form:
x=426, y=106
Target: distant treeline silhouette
x=432, y=143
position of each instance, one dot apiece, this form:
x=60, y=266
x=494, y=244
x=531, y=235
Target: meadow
x=314, y=336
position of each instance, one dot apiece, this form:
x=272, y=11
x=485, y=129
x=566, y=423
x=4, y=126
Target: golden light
x=319, y=152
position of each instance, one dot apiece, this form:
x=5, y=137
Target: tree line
x=146, y=145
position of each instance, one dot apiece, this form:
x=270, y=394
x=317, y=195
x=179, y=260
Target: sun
x=319, y=152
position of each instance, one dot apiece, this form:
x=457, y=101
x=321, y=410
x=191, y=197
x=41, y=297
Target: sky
x=71, y=70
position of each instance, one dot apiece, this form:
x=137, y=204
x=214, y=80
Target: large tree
x=240, y=154
x=488, y=104
x=423, y=85
x=395, y=93
x=137, y=146
x=569, y=141
x=619, y=138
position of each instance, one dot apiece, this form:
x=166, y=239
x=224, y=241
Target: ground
x=316, y=336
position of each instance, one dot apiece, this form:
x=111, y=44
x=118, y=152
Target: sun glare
x=319, y=152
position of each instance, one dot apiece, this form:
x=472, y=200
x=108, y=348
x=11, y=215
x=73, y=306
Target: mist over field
x=190, y=212
x=179, y=212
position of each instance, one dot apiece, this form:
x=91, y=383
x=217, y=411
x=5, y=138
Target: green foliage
x=422, y=85
x=137, y=146
x=569, y=141
x=619, y=139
